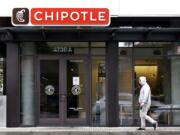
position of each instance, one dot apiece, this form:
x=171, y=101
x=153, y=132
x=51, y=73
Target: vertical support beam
x=112, y=107
x=12, y=85
x=28, y=83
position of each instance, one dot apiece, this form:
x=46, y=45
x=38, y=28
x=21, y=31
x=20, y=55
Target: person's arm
x=141, y=98
x=145, y=96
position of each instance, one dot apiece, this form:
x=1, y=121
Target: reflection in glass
x=98, y=92
x=125, y=80
x=76, y=92
x=49, y=88
x=160, y=63
x=154, y=69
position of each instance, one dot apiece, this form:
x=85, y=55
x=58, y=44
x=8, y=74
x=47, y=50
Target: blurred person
x=144, y=104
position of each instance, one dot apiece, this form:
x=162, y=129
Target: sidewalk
x=89, y=131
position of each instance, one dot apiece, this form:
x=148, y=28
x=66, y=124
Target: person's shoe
x=141, y=128
x=155, y=125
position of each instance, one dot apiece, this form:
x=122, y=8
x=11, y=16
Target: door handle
x=76, y=109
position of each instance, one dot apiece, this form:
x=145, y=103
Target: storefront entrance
x=63, y=83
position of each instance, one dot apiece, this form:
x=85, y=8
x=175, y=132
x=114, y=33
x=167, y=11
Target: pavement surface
x=89, y=131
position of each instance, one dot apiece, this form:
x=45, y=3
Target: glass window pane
x=49, y=89
x=76, y=89
x=98, y=91
x=125, y=82
x=160, y=63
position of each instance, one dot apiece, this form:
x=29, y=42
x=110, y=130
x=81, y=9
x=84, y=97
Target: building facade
x=88, y=76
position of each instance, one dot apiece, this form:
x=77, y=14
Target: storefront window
x=125, y=83
x=98, y=84
x=174, y=58
x=160, y=63
x=151, y=60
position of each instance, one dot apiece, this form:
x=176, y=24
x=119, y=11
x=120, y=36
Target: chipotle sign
x=63, y=16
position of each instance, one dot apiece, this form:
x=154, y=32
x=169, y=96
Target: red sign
x=70, y=16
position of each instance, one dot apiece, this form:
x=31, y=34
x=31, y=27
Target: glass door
x=63, y=91
x=49, y=90
x=76, y=89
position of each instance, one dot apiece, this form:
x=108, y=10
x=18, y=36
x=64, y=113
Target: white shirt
x=145, y=94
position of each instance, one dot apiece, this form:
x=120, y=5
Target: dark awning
x=29, y=34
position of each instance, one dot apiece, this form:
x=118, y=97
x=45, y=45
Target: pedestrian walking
x=145, y=103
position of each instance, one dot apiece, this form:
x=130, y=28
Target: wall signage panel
x=61, y=16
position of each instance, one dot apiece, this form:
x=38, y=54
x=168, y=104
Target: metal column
x=112, y=108
x=12, y=85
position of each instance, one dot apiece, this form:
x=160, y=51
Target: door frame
x=63, y=120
